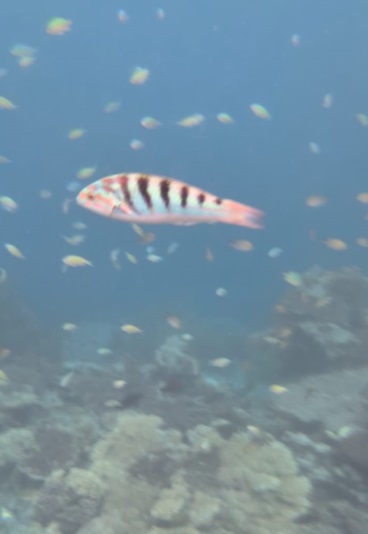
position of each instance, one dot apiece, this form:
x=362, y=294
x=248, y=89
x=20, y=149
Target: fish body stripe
x=143, y=182
x=184, y=196
x=126, y=193
x=165, y=192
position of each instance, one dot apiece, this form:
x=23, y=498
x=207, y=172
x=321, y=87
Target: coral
x=204, y=509
x=172, y=356
x=71, y=500
x=170, y=507
x=15, y=446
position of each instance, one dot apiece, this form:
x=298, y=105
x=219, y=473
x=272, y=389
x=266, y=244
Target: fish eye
x=90, y=196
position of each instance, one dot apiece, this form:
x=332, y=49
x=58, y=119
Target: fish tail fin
x=242, y=215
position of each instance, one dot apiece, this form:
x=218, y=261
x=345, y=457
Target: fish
x=131, y=329
x=151, y=199
x=278, y=390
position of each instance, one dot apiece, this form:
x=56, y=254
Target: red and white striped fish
x=145, y=198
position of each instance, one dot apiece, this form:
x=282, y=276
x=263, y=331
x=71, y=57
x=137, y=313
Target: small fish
x=76, y=133
x=131, y=258
x=8, y=204
x=66, y=380
x=136, y=144
x=260, y=111
x=154, y=258
x=327, y=101
x=45, y=194
x=174, y=321
x=278, y=390
x=224, y=118
x=14, y=251
x=315, y=201
x=58, y=26
x=131, y=329
x=362, y=242
x=274, y=252
x=111, y=107
x=221, y=292
x=69, y=327
x=119, y=384
x=191, y=121
x=4, y=159
x=5, y=103
x=112, y=403
x=172, y=248
x=293, y=278
x=139, y=76
x=76, y=261
x=362, y=119
x=6, y=515
x=295, y=39
x=142, y=198
x=75, y=239
x=79, y=225
x=362, y=197
x=104, y=351
x=3, y=378
x=86, y=172
x=3, y=275
x=314, y=148
x=150, y=123
x=335, y=244
x=114, y=257
x=160, y=13
x=122, y=16
x=242, y=245
x=220, y=362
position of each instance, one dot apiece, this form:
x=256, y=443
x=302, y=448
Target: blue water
x=204, y=57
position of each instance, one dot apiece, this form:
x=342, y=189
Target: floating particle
x=76, y=133
x=315, y=201
x=221, y=292
x=275, y=388
x=66, y=205
x=242, y=245
x=3, y=72
x=172, y=248
x=275, y=252
x=111, y=107
x=327, y=101
x=362, y=119
x=58, y=26
x=154, y=258
x=225, y=118
x=150, y=123
x=115, y=260
x=122, y=16
x=86, y=172
x=79, y=225
x=147, y=237
x=362, y=197
x=5, y=103
x=191, y=121
x=3, y=275
x=131, y=329
x=136, y=144
x=295, y=39
x=174, y=321
x=45, y=194
x=8, y=204
x=187, y=337
x=139, y=76
x=362, y=242
x=118, y=384
x=293, y=278
x=14, y=251
x=75, y=239
x=314, y=148
x=220, y=362
x=335, y=243
x=209, y=255
x=131, y=258
x=66, y=380
x=5, y=353
x=69, y=327
x=260, y=111
x=76, y=261
x=160, y=13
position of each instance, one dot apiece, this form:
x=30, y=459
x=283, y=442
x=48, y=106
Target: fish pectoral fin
x=121, y=206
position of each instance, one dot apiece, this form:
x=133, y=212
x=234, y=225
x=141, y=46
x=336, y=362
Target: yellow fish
x=5, y=103
x=191, y=121
x=131, y=258
x=14, y=251
x=260, y=111
x=278, y=389
x=69, y=327
x=131, y=329
x=76, y=261
x=139, y=76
